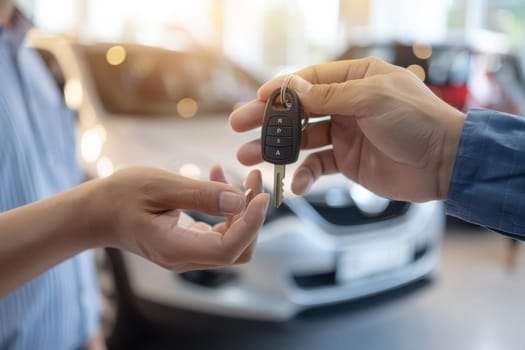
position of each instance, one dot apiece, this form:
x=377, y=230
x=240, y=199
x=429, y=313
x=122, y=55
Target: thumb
x=213, y=198
x=323, y=99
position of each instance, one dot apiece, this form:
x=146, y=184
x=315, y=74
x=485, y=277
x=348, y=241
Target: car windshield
x=149, y=81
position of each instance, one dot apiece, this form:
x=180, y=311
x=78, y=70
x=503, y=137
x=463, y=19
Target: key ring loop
x=288, y=104
x=284, y=87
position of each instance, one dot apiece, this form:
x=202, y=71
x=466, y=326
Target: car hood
x=170, y=142
x=188, y=146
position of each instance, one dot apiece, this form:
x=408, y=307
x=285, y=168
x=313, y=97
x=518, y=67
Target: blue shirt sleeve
x=59, y=309
x=487, y=186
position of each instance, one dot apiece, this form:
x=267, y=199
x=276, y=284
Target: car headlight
x=351, y=204
x=368, y=202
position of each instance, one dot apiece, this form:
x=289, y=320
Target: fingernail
x=230, y=202
x=300, y=85
x=302, y=182
x=249, y=195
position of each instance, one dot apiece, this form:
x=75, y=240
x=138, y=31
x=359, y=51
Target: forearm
x=136, y=209
x=35, y=237
x=488, y=181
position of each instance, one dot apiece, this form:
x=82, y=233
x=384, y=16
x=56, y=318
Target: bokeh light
x=187, y=107
x=418, y=71
x=116, y=55
x=73, y=93
x=105, y=167
x=422, y=51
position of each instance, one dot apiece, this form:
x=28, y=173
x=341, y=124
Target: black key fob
x=281, y=129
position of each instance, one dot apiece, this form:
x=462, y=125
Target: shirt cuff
x=487, y=185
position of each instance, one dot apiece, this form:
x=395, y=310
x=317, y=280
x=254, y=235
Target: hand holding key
x=386, y=131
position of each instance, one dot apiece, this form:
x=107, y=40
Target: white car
x=150, y=106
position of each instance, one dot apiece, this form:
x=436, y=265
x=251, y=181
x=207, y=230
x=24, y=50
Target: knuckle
x=373, y=60
x=327, y=94
x=198, y=196
x=201, y=199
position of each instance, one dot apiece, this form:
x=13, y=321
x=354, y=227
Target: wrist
x=454, y=126
x=37, y=236
x=88, y=214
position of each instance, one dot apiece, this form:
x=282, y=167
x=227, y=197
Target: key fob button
x=278, y=153
x=279, y=131
x=278, y=141
x=280, y=121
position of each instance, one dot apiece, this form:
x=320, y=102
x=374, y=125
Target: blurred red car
x=461, y=76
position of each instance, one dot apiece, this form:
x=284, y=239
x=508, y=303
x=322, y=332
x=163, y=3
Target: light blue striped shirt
x=60, y=308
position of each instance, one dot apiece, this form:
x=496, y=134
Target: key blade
x=278, y=185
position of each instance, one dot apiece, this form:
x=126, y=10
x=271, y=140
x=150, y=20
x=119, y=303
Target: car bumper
x=297, y=267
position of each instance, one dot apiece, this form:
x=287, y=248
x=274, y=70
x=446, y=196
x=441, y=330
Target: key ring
x=288, y=104
x=284, y=86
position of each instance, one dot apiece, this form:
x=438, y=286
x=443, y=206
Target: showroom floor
x=476, y=303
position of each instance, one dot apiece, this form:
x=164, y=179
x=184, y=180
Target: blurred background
x=267, y=36
x=153, y=82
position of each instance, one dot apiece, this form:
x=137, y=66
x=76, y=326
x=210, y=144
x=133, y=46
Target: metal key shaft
x=279, y=172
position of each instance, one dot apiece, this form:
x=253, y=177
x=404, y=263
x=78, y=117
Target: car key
x=281, y=137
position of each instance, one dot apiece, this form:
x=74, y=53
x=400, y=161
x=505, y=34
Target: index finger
x=331, y=72
x=247, y=117
x=250, y=115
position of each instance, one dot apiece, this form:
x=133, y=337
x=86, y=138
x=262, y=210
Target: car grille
x=329, y=279
x=352, y=215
